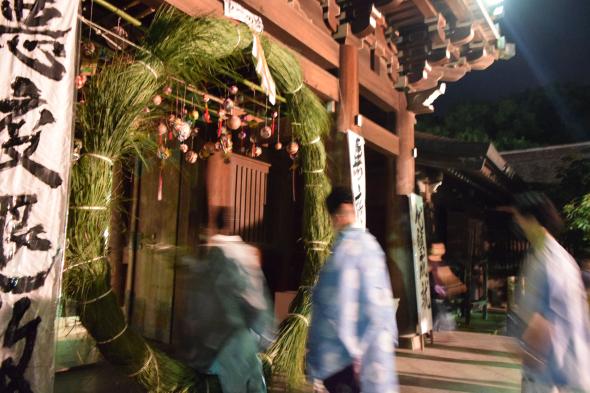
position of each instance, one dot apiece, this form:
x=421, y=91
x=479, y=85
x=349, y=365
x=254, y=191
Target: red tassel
x=272, y=127
x=160, y=183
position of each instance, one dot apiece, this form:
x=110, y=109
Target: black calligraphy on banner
x=15, y=230
x=358, y=172
x=24, y=137
x=422, y=256
x=28, y=38
x=12, y=371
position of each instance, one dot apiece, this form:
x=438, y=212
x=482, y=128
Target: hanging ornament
x=191, y=157
x=278, y=146
x=234, y=122
x=275, y=114
x=222, y=113
x=242, y=135
x=233, y=90
x=266, y=132
x=146, y=110
x=194, y=115
x=163, y=152
x=248, y=118
x=258, y=151
x=171, y=118
x=210, y=146
x=178, y=123
x=80, y=81
x=252, y=138
x=195, y=131
x=157, y=100
x=162, y=129
x=116, y=43
x=167, y=90
x=183, y=147
x=226, y=144
x=228, y=105
x=88, y=49
x=204, y=153
x=293, y=148
x=184, y=132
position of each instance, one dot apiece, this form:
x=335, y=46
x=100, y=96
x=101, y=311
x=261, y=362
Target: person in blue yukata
x=353, y=332
x=556, y=338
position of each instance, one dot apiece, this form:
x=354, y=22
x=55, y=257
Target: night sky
x=552, y=40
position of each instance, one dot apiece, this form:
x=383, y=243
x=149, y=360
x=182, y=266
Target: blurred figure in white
x=230, y=315
x=353, y=332
x=552, y=305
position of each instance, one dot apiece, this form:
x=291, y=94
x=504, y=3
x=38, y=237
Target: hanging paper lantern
x=163, y=152
x=266, y=132
x=191, y=157
x=228, y=104
x=293, y=148
x=278, y=146
x=157, y=100
x=194, y=115
x=183, y=147
x=162, y=129
x=234, y=122
x=167, y=90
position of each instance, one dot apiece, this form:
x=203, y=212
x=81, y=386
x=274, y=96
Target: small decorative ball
x=88, y=49
x=248, y=118
x=184, y=132
x=195, y=130
x=204, y=153
x=194, y=114
x=210, y=147
x=157, y=100
x=278, y=146
x=233, y=90
x=167, y=90
x=293, y=148
x=222, y=113
x=217, y=146
x=258, y=151
x=191, y=157
x=252, y=139
x=228, y=104
x=206, y=98
x=183, y=147
x=275, y=114
x=162, y=129
x=146, y=110
x=80, y=81
x=234, y=122
x=266, y=132
x=171, y=118
x=178, y=123
x=242, y=135
x=163, y=152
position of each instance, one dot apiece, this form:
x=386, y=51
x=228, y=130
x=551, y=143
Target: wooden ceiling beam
x=377, y=88
x=198, y=7
x=380, y=138
x=460, y=10
x=426, y=8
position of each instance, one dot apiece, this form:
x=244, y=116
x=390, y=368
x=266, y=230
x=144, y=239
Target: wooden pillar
x=348, y=108
x=405, y=169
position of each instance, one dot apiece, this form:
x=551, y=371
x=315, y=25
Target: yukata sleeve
x=376, y=296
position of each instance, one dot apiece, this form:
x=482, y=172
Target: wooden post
x=405, y=169
x=348, y=107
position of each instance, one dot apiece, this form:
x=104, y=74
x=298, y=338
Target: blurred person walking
x=553, y=306
x=230, y=317
x=353, y=330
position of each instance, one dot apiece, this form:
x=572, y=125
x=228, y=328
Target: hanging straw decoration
x=111, y=121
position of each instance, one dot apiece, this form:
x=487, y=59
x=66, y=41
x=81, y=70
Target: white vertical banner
x=37, y=59
x=356, y=154
x=420, y=264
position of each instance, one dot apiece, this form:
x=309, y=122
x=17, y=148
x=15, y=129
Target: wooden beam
x=349, y=87
x=405, y=165
x=426, y=8
x=296, y=31
x=200, y=7
x=377, y=88
x=319, y=80
x=380, y=138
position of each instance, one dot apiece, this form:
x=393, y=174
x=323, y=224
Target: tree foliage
x=537, y=117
